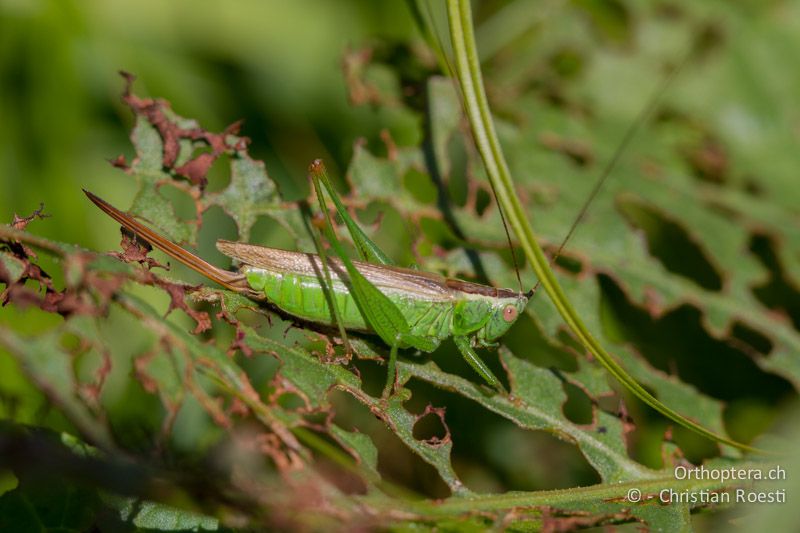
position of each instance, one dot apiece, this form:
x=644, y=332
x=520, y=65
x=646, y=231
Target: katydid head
x=505, y=312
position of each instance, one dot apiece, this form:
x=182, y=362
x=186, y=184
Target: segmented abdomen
x=303, y=297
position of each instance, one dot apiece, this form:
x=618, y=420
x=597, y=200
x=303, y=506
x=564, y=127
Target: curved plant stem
x=477, y=107
x=598, y=495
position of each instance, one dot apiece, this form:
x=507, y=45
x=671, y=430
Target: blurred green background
x=275, y=65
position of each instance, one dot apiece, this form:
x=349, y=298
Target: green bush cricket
x=405, y=307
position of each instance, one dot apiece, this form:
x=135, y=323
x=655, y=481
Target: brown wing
x=394, y=279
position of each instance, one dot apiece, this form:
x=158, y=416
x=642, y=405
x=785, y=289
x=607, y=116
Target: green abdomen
x=303, y=297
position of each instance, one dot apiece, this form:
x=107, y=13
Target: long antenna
x=508, y=238
x=643, y=116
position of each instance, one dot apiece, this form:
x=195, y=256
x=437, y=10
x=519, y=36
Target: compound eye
x=510, y=313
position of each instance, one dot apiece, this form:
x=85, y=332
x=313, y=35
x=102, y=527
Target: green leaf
x=13, y=266
x=537, y=405
x=155, y=516
x=249, y=194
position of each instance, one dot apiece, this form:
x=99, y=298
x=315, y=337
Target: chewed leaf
x=539, y=406
x=46, y=364
x=175, y=151
x=250, y=193
x=157, y=210
x=361, y=446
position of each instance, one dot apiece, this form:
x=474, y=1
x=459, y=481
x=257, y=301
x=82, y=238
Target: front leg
x=469, y=355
